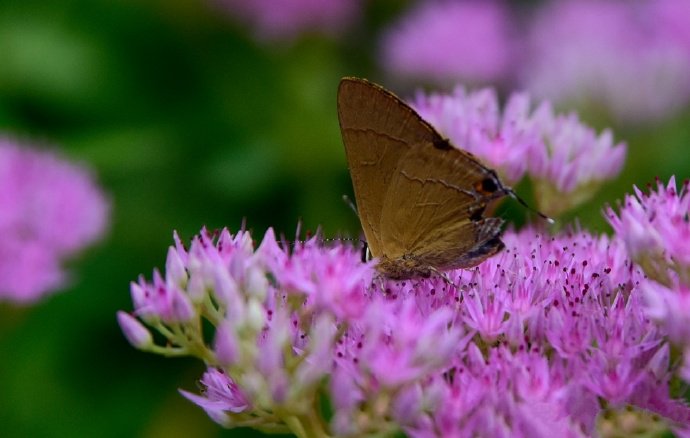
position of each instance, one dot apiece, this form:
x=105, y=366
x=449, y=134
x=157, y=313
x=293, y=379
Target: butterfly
x=420, y=200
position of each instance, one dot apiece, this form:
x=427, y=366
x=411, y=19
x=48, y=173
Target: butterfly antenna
x=524, y=204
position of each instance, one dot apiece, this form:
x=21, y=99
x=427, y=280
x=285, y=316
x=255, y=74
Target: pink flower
x=222, y=398
x=487, y=313
x=449, y=41
x=50, y=209
x=159, y=301
x=135, y=332
x=287, y=19
x=630, y=58
x=655, y=229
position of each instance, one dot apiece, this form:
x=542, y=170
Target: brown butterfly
x=420, y=200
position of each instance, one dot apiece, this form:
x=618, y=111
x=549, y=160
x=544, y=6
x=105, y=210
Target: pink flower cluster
x=565, y=159
x=656, y=231
x=621, y=55
x=448, y=41
x=287, y=19
x=551, y=336
x=49, y=210
x=629, y=58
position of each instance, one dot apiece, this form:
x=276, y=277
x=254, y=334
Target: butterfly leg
x=348, y=201
x=443, y=275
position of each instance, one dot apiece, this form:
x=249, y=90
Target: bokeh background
x=191, y=114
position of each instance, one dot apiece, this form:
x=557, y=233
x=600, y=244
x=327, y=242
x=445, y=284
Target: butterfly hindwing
x=434, y=206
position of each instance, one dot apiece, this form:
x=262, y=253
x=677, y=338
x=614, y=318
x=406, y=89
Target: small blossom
x=321, y=346
x=134, y=331
x=277, y=20
x=271, y=360
x=222, y=398
x=486, y=313
x=451, y=41
x=50, y=209
x=226, y=345
x=174, y=267
x=612, y=380
x=155, y=301
x=627, y=57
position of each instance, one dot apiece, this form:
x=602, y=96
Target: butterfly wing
x=420, y=200
x=434, y=204
x=377, y=132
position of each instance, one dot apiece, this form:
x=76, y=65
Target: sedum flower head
x=654, y=227
x=50, y=209
x=571, y=161
x=539, y=340
x=449, y=41
x=566, y=160
x=630, y=58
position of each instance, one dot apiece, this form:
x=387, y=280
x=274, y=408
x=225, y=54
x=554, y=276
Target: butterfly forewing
x=377, y=131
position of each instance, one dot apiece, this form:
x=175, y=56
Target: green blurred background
x=188, y=122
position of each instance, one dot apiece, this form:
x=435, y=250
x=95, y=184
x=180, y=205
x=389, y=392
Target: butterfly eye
x=486, y=186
